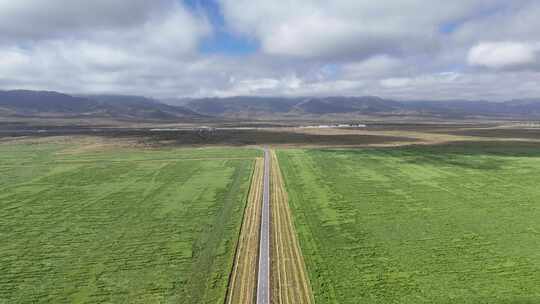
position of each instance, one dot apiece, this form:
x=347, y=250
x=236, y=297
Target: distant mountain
x=241, y=106
x=526, y=106
x=312, y=107
x=465, y=108
x=29, y=103
x=252, y=107
x=23, y=103
x=335, y=105
x=141, y=107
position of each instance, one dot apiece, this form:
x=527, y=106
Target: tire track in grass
x=289, y=280
x=243, y=280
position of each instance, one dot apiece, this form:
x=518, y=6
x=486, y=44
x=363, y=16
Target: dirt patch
x=522, y=133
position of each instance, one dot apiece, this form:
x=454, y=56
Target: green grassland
x=122, y=226
x=446, y=224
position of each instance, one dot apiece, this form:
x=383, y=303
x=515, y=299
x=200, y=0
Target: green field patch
x=116, y=229
x=448, y=224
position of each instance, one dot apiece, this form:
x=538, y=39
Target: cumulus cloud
x=346, y=28
x=375, y=66
x=511, y=21
x=462, y=86
x=393, y=48
x=112, y=46
x=395, y=82
x=36, y=19
x=109, y=29
x=503, y=54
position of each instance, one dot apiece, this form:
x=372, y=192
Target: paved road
x=263, y=281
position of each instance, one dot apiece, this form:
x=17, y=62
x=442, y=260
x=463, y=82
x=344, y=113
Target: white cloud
x=346, y=28
x=503, y=54
x=421, y=80
x=260, y=86
x=374, y=66
x=37, y=19
x=456, y=86
x=513, y=21
x=392, y=48
x=395, y=82
x=112, y=46
x=11, y=58
x=132, y=26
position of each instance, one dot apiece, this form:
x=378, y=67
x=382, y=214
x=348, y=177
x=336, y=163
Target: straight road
x=263, y=281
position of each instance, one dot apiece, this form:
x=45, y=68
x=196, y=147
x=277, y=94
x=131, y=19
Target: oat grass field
x=455, y=223
x=289, y=279
x=125, y=225
x=243, y=280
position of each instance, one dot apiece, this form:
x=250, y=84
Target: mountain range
x=313, y=107
x=24, y=103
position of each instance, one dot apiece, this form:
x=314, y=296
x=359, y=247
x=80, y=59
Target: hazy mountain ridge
x=336, y=105
x=249, y=107
x=138, y=106
x=29, y=103
x=24, y=103
x=228, y=106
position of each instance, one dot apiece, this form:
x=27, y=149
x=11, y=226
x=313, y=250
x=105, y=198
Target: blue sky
x=418, y=49
x=451, y=26
x=222, y=41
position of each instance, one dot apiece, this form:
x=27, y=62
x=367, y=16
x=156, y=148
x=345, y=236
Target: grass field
x=289, y=280
x=444, y=224
x=122, y=226
x=243, y=281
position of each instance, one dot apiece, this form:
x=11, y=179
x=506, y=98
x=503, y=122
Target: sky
x=401, y=49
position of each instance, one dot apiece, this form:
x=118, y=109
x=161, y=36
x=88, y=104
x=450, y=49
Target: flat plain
x=454, y=223
x=243, y=280
x=289, y=278
x=121, y=225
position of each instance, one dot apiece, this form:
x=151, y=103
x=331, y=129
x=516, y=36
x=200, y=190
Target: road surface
x=263, y=279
